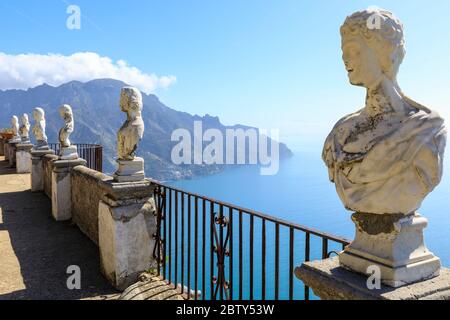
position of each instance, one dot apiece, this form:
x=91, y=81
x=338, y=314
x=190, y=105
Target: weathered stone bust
x=39, y=128
x=25, y=128
x=131, y=168
x=15, y=129
x=132, y=129
x=386, y=157
x=65, y=111
x=68, y=152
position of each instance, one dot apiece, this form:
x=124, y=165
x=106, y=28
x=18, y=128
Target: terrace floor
x=35, y=250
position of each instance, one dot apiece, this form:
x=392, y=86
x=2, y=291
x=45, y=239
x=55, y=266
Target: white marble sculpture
x=25, y=129
x=387, y=157
x=68, y=151
x=15, y=129
x=39, y=129
x=131, y=168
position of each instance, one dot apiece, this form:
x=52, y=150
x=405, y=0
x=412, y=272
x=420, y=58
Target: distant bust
x=132, y=130
x=39, y=128
x=65, y=111
x=15, y=128
x=386, y=157
x=25, y=128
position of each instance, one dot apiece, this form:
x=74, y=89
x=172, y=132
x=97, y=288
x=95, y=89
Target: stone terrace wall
x=48, y=168
x=87, y=190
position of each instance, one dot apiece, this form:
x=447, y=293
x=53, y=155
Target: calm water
x=301, y=193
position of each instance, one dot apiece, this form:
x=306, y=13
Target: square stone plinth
x=130, y=170
x=330, y=281
x=12, y=153
x=37, y=169
x=61, y=188
x=23, y=157
x=127, y=225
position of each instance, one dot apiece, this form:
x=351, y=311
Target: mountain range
x=97, y=115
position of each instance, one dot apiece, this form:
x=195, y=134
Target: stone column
x=61, y=188
x=23, y=157
x=37, y=169
x=127, y=226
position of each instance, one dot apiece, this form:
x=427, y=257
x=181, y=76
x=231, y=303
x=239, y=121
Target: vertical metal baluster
x=176, y=239
x=324, y=248
x=307, y=257
x=182, y=242
x=230, y=252
x=165, y=234
x=263, y=259
x=196, y=248
x=170, y=235
x=189, y=249
x=291, y=263
x=204, y=249
x=240, y=256
x=222, y=254
x=211, y=238
x=251, y=255
x=277, y=260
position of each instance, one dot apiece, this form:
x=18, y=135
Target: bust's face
x=361, y=62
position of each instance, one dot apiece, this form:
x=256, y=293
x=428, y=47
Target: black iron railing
x=212, y=250
x=92, y=153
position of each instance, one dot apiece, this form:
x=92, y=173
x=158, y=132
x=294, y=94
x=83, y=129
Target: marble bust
x=131, y=168
x=25, y=128
x=15, y=129
x=132, y=129
x=387, y=157
x=39, y=129
x=68, y=151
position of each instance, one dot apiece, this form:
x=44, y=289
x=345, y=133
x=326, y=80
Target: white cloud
x=25, y=71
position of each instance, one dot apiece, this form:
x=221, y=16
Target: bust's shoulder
x=348, y=120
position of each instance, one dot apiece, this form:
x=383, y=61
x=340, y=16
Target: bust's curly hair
x=381, y=30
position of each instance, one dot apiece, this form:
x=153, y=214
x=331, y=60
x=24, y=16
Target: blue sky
x=272, y=64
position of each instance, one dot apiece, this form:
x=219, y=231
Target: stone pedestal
x=2, y=147
x=69, y=153
x=37, y=169
x=330, y=281
x=395, y=244
x=130, y=170
x=23, y=157
x=12, y=153
x=61, y=188
x=6, y=151
x=127, y=226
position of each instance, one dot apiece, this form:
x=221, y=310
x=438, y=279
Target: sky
x=273, y=64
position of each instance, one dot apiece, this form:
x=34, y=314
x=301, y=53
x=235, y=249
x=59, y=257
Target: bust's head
x=131, y=100
x=372, y=46
x=65, y=111
x=24, y=119
x=14, y=120
x=38, y=114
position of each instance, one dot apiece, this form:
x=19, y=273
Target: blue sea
x=302, y=193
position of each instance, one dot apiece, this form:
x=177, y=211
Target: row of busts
x=128, y=136
x=22, y=133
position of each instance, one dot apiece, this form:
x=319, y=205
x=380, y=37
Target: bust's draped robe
x=393, y=175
